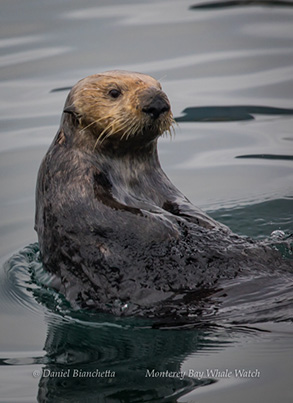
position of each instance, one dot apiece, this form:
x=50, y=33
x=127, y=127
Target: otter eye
x=114, y=93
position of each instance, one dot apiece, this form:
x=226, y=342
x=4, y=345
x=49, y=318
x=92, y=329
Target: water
x=228, y=73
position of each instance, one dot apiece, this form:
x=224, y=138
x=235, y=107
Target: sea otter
x=116, y=233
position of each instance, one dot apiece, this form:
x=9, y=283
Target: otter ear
x=71, y=110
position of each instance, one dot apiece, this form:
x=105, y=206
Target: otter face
x=120, y=105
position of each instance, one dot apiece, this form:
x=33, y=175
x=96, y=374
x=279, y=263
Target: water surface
x=227, y=69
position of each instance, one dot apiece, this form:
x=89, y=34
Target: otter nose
x=156, y=107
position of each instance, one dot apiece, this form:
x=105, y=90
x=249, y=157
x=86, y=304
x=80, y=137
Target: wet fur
x=114, y=230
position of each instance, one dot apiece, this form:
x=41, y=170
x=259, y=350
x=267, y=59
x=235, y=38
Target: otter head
x=119, y=106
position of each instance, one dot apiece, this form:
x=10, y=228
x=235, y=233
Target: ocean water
x=227, y=70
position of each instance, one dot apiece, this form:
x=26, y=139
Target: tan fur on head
x=111, y=105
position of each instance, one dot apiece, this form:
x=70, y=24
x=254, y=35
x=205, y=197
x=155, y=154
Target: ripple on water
x=259, y=220
x=32, y=287
x=84, y=341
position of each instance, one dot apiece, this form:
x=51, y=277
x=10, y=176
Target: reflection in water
x=259, y=43
x=119, y=361
x=61, y=89
x=237, y=3
x=228, y=113
x=268, y=156
x=97, y=357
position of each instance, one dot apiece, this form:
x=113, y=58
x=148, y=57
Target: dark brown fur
x=112, y=227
